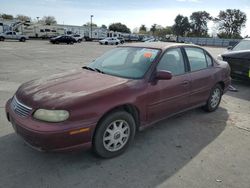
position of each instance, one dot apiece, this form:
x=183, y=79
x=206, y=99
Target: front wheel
x=114, y=134
x=214, y=99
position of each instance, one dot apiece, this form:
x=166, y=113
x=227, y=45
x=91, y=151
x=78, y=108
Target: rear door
x=201, y=74
x=167, y=97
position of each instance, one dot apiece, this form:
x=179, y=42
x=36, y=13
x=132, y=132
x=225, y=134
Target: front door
x=167, y=97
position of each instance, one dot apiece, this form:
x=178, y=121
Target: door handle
x=184, y=83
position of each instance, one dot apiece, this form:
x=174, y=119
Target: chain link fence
x=209, y=41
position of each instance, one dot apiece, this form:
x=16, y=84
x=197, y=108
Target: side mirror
x=163, y=75
x=229, y=47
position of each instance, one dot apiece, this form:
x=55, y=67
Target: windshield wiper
x=88, y=68
x=98, y=70
x=93, y=69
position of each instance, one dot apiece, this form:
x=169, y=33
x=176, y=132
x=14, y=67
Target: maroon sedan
x=125, y=90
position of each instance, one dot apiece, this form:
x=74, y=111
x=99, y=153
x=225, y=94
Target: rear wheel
x=106, y=43
x=114, y=134
x=22, y=39
x=116, y=43
x=1, y=38
x=214, y=99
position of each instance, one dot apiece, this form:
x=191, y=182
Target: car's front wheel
x=114, y=134
x=214, y=99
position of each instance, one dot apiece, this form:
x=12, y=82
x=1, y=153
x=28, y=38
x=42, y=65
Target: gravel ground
x=194, y=149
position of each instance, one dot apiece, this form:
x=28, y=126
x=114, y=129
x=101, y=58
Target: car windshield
x=242, y=45
x=128, y=62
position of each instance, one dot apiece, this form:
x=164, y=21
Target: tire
x=79, y=41
x=114, y=134
x=116, y=43
x=71, y=42
x=22, y=39
x=106, y=43
x=1, y=38
x=214, y=99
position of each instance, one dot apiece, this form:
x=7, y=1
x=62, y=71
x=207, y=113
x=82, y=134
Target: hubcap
x=215, y=99
x=116, y=135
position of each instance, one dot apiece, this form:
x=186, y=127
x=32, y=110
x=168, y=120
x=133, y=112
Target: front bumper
x=61, y=138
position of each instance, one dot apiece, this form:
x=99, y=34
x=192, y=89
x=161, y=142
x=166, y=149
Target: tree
x=181, y=26
x=153, y=29
x=162, y=32
x=49, y=20
x=198, y=23
x=119, y=27
x=142, y=29
x=89, y=24
x=23, y=18
x=231, y=22
x=7, y=16
x=104, y=26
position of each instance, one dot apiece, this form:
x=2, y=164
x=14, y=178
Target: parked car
x=127, y=89
x=77, y=37
x=63, y=39
x=238, y=58
x=152, y=40
x=121, y=39
x=109, y=40
x=13, y=36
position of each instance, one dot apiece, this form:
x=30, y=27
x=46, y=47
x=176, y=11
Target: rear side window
x=196, y=58
x=209, y=60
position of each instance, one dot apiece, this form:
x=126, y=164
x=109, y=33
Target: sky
x=133, y=13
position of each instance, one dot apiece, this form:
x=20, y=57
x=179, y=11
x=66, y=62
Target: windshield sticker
x=147, y=55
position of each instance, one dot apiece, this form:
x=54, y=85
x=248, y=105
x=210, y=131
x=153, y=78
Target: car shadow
x=156, y=154
x=243, y=88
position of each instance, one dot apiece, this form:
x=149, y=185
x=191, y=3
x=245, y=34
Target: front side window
x=128, y=62
x=172, y=61
x=196, y=58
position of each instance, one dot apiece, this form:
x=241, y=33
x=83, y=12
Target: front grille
x=19, y=108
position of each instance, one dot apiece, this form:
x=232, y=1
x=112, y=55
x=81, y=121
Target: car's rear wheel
x=116, y=43
x=214, y=99
x=22, y=39
x=114, y=134
x=106, y=43
x=1, y=38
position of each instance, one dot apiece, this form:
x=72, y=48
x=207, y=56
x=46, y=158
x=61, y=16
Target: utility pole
x=91, y=16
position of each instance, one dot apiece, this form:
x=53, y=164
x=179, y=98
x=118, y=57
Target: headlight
x=219, y=57
x=51, y=115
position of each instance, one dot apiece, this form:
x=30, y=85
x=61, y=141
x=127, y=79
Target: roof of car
x=158, y=45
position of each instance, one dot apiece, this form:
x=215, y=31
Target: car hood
x=66, y=87
x=242, y=54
